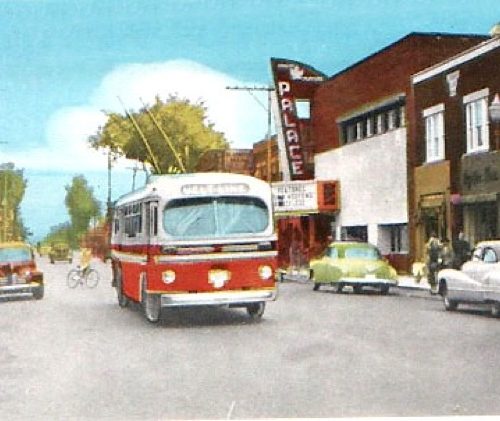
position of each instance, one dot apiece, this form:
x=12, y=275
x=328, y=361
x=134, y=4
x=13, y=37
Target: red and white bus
x=195, y=239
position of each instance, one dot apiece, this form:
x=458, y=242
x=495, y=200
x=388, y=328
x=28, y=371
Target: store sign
x=293, y=81
x=306, y=196
x=481, y=174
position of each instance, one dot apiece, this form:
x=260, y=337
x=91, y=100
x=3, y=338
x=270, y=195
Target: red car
x=18, y=272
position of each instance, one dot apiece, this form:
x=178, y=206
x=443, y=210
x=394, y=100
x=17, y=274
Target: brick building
x=363, y=131
x=237, y=161
x=457, y=157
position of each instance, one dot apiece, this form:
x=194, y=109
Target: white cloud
x=235, y=113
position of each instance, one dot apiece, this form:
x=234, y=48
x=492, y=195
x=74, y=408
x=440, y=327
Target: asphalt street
x=77, y=355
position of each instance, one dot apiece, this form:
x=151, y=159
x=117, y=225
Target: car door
x=490, y=274
x=471, y=288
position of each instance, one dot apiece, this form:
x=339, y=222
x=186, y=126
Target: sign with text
x=305, y=196
x=293, y=82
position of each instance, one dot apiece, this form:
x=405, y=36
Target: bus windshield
x=214, y=217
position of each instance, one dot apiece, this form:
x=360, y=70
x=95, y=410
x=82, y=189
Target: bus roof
x=171, y=184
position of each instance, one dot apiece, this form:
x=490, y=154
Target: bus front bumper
x=219, y=298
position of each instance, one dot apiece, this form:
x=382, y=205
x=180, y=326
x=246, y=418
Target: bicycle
x=85, y=277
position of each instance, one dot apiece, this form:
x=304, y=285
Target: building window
x=369, y=126
x=402, y=118
x=476, y=120
x=434, y=133
x=359, y=130
x=380, y=124
x=374, y=122
x=391, y=120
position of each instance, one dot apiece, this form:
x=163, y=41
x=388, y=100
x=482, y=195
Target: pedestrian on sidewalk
x=433, y=251
x=447, y=255
x=461, y=251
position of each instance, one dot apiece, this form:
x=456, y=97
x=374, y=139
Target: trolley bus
x=195, y=239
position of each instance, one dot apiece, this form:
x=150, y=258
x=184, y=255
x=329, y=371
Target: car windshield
x=214, y=217
x=15, y=254
x=364, y=253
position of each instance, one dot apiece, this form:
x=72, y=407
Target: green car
x=352, y=264
x=60, y=252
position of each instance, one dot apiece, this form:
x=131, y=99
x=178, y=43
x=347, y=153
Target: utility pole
x=268, y=89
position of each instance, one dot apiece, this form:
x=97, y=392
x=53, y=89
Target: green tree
x=177, y=133
x=12, y=189
x=81, y=204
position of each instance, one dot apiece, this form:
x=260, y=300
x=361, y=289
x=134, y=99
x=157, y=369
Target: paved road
x=76, y=354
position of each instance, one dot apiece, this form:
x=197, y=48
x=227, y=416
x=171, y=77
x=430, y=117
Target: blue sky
x=63, y=61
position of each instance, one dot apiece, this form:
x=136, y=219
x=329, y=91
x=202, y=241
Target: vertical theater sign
x=294, y=84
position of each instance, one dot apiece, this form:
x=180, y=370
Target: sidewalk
x=404, y=281
x=409, y=282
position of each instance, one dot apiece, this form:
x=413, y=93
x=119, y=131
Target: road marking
x=230, y=412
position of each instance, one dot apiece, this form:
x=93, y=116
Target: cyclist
x=85, y=257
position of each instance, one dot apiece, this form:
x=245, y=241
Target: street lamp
x=494, y=110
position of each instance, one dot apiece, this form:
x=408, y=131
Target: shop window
x=476, y=120
x=434, y=133
x=356, y=233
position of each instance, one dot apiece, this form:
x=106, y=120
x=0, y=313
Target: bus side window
x=153, y=226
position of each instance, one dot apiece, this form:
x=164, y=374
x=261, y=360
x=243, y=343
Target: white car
x=478, y=281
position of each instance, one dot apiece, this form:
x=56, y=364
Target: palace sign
x=293, y=81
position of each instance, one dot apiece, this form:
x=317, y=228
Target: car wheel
x=73, y=278
x=339, y=288
x=256, y=310
x=92, y=278
x=449, y=305
x=123, y=300
x=384, y=289
x=316, y=286
x=38, y=292
x=495, y=309
x=357, y=289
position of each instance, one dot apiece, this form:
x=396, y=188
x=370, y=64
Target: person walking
x=433, y=250
x=461, y=251
x=447, y=254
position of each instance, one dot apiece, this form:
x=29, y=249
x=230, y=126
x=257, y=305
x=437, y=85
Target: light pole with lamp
x=494, y=110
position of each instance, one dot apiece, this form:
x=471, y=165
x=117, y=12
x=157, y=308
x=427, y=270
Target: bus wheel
x=123, y=300
x=256, y=310
x=151, y=305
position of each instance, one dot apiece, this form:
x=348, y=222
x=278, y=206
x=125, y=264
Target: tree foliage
x=177, y=133
x=81, y=204
x=12, y=189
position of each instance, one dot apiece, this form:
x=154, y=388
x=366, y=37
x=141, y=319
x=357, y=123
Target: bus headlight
x=168, y=276
x=265, y=272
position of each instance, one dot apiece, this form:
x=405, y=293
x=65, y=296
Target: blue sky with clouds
x=63, y=61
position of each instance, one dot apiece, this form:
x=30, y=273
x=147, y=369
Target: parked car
x=60, y=252
x=354, y=264
x=477, y=281
x=18, y=272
